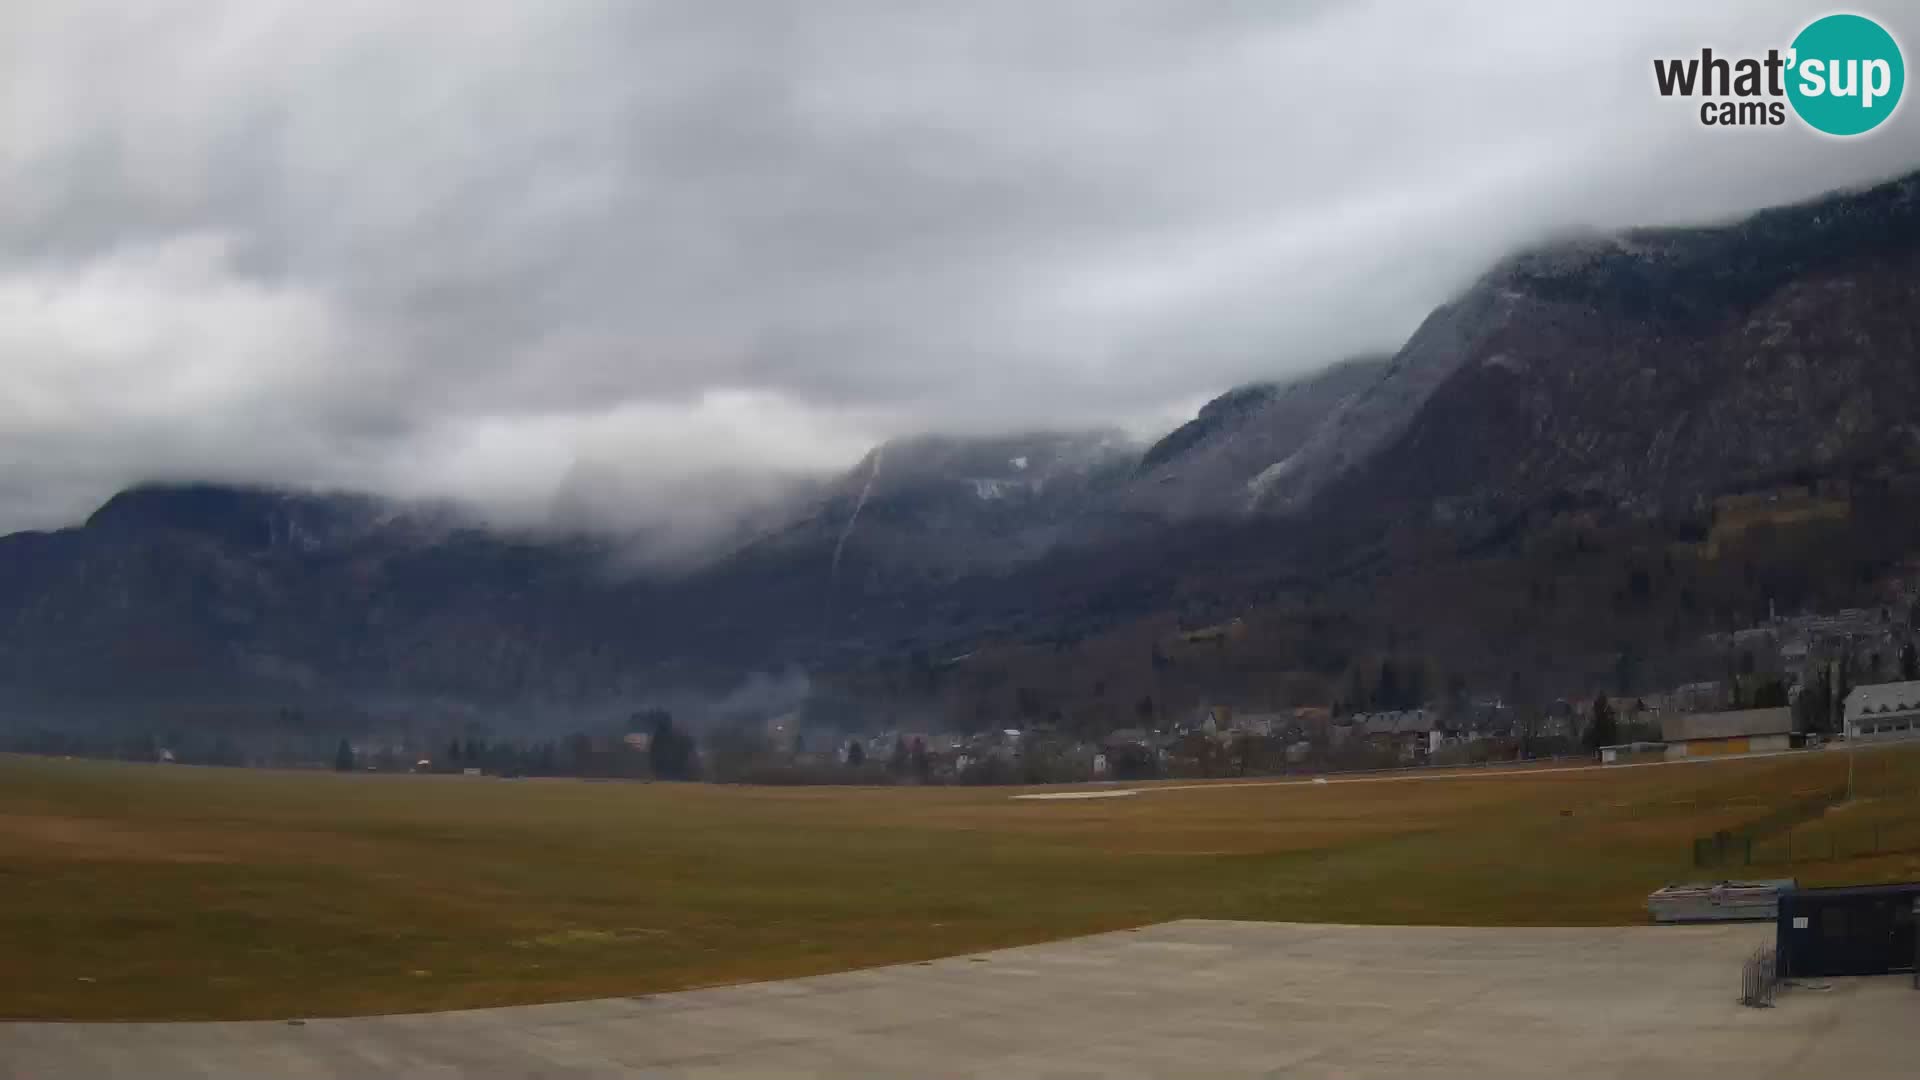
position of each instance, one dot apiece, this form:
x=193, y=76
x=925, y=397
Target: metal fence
x=1823, y=841
x=1802, y=831
x=1829, y=841
x=1737, y=845
x=1760, y=978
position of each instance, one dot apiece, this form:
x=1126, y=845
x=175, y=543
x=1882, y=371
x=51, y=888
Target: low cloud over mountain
x=511, y=254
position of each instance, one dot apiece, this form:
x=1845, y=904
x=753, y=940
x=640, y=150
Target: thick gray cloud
x=485, y=249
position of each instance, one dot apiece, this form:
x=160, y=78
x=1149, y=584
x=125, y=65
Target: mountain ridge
x=1643, y=372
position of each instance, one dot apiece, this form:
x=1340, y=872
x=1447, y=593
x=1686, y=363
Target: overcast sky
x=472, y=249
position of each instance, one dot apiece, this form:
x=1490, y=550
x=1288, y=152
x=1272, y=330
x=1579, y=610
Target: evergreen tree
x=1842, y=686
x=1413, y=691
x=1626, y=670
x=1386, y=694
x=1602, y=731
x=1770, y=694
x=1144, y=711
x=1812, y=708
x=856, y=754
x=343, y=757
x=670, y=750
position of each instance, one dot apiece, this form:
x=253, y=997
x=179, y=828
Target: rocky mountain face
x=1647, y=370
x=939, y=506
x=1651, y=369
x=190, y=600
x=1217, y=464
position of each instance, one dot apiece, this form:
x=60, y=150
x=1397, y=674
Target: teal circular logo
x=1846, y=75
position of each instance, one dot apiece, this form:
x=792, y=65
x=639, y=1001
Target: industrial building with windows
x=1885, y=712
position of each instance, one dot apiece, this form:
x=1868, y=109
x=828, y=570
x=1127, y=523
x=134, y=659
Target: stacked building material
x=1723, y=901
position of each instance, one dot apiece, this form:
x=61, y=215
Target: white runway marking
x=1079, y=794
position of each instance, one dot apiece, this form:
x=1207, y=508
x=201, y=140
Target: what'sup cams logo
x=1842, y=75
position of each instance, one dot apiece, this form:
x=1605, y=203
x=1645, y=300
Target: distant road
x=1471, y=772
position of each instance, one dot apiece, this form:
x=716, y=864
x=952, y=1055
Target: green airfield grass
x=154, y=892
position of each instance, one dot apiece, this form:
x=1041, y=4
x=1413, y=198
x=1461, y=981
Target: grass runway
x=163, y=892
